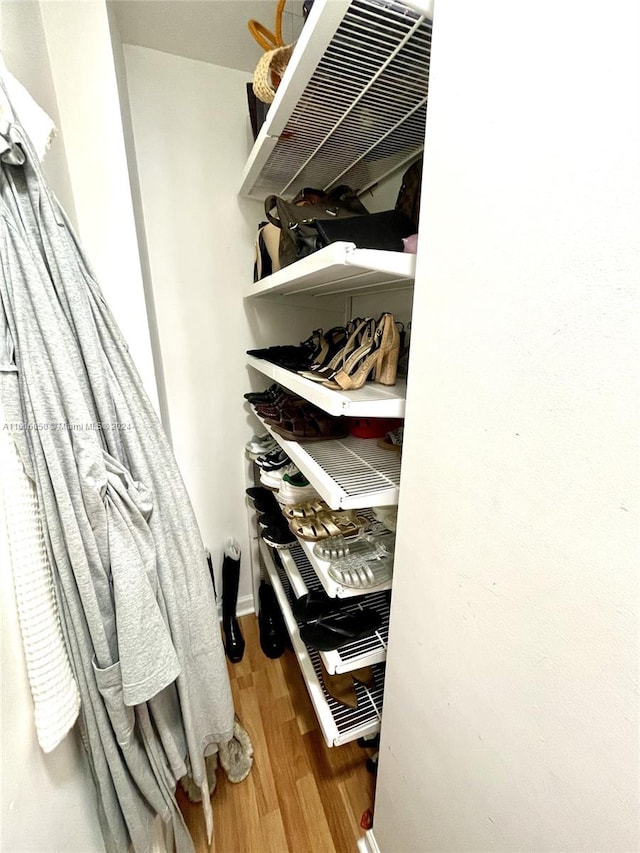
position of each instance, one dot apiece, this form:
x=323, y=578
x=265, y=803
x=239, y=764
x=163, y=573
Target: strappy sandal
x=306, y=510
x=328, y=524
x=309, y=426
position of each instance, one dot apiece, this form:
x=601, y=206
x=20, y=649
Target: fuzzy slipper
x=236, y=758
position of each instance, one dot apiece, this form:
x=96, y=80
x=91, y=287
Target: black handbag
x=374, y=231
x=298, y=219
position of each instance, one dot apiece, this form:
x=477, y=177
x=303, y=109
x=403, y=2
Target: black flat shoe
x=333, y=632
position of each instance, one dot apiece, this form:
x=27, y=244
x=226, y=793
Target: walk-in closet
x=385, y=326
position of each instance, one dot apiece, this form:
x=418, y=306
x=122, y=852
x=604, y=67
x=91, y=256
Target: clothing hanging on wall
x=56, y=700
x=137, y=605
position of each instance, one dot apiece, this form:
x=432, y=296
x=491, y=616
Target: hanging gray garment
x=135, y=595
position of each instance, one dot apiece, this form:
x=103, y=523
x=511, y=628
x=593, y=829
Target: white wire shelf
x=372, y=400
x=364, y=652
x=351, y=107
x=338, y=723
x=339, y=268
x=347, y=473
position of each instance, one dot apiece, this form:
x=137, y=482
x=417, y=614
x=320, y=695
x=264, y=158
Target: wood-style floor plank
x=301, y=796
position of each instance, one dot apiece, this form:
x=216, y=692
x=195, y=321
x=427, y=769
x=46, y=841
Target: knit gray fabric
x=134, y=590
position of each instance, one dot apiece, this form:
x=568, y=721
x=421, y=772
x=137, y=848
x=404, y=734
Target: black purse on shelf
x=298, y=219
x=374, y=231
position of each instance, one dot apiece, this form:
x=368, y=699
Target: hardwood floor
x=301, y=796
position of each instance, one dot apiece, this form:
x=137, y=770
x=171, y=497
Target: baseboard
x=244, y=606
x=368, y=843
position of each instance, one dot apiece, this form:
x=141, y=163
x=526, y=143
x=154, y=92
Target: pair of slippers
x=326, y=625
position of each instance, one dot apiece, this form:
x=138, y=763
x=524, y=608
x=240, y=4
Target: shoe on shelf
x=332, y=632
x=292, y=357
x=357, y=331
x=278, y=536
x=273, y=460
x=263, y=396
x=284, y=402
x=296, y=489
x=273, y=479
x=362, y=572
x=332, y=548
x=263, y=500
x=260, y=444
x=332, y=523
x=378, y=356
x=387, y=516
x=393, y=440
x=304, y=510
x=309, y=424
x=271, y=518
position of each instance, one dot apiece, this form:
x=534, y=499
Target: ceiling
x=210, y=30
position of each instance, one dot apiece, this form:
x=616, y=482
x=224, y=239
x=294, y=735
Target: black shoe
x=273, y=461
x=273, y=631
x=263, y=500
x=278, y=536
x=264, y=396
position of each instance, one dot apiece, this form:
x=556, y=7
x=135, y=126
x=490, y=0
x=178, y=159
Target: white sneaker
x=296, y=490
x=273, y=479
x=260, y=444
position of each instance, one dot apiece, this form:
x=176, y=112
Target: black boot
x=233, y=639
x=273, y=631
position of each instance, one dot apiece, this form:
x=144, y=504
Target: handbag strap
x=271, y=202
x=265, y=38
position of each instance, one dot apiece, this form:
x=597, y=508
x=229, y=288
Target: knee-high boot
x=233, y=639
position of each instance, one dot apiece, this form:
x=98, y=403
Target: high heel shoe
x=380, y=357
x=362, y=332
x=332, y=343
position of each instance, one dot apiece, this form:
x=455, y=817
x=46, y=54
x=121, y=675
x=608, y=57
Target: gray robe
x=135, y=595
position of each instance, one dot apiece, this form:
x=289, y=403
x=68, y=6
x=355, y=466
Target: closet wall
x=191, y=137
x=47, y=801
x=511, y=703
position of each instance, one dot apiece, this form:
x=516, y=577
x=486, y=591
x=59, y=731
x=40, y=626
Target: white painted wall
x=82, y=68
x=191, y=136
x=48, y=802
x=511, y=704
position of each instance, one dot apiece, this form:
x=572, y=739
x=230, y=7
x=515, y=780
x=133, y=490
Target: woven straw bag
x=271, y=66
x=269, y=71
